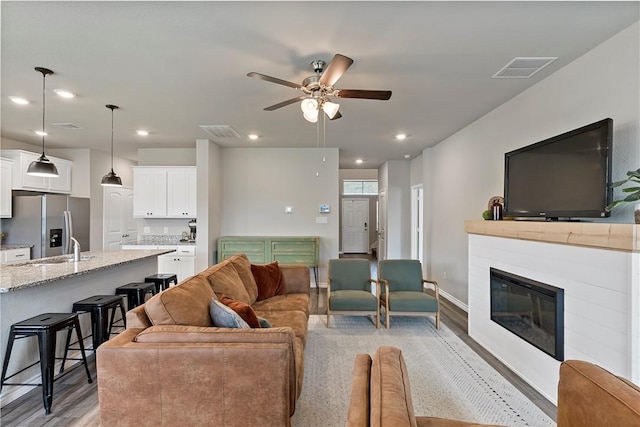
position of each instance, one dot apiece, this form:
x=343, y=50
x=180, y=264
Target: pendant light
x=43, y=166
x=111, y=179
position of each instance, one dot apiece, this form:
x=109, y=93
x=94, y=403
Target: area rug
x=448, y=379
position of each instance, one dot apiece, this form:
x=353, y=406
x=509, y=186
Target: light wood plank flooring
x=75, y=402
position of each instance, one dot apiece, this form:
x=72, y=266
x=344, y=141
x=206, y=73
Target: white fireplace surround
x=601, y=299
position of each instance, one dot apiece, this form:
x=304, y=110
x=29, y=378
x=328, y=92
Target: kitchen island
x=52, y=285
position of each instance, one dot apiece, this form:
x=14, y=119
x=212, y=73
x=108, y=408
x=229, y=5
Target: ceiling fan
x=319, y=87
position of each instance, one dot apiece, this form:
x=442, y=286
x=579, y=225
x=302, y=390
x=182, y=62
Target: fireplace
x=532, y=310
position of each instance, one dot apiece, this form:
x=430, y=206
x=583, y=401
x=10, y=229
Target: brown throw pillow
x=269, y=280
x=244, y=310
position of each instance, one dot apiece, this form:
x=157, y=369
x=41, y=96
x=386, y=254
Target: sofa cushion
x=243, y=266
x=288, y=302
x=224, y=317
x=224, y=279
x=243, y=310
x=295, y=320
x=184, y=304
x=269, y=280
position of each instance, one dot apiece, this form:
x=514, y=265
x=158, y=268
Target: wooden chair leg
x=438, y=320
x=386, y=312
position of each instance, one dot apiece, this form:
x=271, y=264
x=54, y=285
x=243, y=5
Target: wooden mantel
x=624, y=237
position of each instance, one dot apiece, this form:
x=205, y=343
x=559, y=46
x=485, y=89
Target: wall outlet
x=444, y=274
x=166, y=230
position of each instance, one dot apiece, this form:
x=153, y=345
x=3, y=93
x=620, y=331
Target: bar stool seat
x=162, y=280
x=99, y=306
x=136, y=292
x=45, y=327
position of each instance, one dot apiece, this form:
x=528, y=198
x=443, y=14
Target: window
x=353, y=187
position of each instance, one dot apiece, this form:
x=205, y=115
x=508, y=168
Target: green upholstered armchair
x=349, y=289
x=404, y=290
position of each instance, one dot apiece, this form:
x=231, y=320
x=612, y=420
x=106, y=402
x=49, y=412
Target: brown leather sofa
x=587, y=396
x=172, y=367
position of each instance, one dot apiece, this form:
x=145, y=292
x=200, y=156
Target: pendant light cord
x=111, y=139
x=44, y=78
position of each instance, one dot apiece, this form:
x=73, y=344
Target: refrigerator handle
x=68, y=232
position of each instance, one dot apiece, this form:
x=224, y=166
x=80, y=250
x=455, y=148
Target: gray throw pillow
x=222, y=316
x=264, y=323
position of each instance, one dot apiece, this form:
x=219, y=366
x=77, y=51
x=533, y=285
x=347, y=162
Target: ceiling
x=173, y=66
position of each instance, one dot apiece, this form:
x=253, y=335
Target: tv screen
x=561, y=177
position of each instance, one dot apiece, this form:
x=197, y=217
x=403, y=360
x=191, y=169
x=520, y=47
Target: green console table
x=266, y=249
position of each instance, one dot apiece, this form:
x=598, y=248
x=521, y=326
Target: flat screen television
x=563, y=177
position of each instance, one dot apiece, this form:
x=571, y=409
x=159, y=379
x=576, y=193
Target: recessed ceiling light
x=18, y=100
x=253, y=136
x=358, y=161
x=142, y=132
x=401, y=136
x=64, y=93
x=40, y=133
x=407, y=156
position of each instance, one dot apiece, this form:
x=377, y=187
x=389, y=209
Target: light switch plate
x=288, y=209
x=321, y=220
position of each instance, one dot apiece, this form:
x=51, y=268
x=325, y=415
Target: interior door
x=355, y=225
x=382, y=224
x=119, y=224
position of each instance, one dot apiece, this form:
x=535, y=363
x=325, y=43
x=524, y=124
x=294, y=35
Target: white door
x=119, y=225
x=382, y=225
x=355, y=226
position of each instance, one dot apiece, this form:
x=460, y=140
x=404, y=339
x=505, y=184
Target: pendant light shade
x=111, y=179
x=43, y=166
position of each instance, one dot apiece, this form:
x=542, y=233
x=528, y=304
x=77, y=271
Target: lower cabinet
x=22, y=254
x=265, y=249
x=181, y=266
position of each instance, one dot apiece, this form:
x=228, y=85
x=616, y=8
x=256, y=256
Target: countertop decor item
x=633, y=193
x=111, y=179
x=43, y=167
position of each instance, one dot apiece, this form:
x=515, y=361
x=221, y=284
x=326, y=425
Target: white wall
x=466, y=169
x=257, y=184
x=209, y=175
x=166, y=157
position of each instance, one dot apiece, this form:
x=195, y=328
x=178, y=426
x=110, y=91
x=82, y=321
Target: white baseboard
x=454, y=301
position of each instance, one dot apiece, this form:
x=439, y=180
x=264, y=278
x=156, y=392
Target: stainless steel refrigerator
x=48, y=221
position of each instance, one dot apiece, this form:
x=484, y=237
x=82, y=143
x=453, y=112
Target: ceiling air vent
x=66, y=126
x=220, y=131
x=523, y=67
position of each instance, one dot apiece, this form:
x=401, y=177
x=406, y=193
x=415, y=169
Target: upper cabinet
x=6, y=167
x=164, y=192
x=22, y=181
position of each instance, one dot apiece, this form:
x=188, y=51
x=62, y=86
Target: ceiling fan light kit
x=319, y=87
x=43, y=167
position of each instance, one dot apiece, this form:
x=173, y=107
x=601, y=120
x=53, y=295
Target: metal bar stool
x=101, y=326
x=45, y=327
x=136, y=292
x=162, y=281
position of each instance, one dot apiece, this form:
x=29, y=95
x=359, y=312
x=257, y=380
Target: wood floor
x=75, y=402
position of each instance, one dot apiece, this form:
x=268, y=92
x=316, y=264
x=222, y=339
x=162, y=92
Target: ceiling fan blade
x=337, y=116
x=338, y=65
x=284, y=103
x=382, y=95
x=273, y=80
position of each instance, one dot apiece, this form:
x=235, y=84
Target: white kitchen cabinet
x=22, y=254
x=21, y=181
x=181, y=192
x=164, y=192
x=149, y=192
x=181, y=266
x=6, y=168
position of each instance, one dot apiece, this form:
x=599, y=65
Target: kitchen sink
x=51, y=261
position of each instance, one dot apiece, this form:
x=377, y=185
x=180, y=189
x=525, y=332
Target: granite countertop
x=171, y=243
x=24, y=274
x=9, y=247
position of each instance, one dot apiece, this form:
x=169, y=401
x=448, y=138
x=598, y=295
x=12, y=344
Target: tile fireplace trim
x=623, y=237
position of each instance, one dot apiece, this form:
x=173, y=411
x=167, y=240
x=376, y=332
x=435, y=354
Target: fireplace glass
x=532, y=310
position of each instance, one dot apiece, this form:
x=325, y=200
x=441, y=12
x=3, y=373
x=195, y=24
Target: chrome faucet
x=76, y=250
